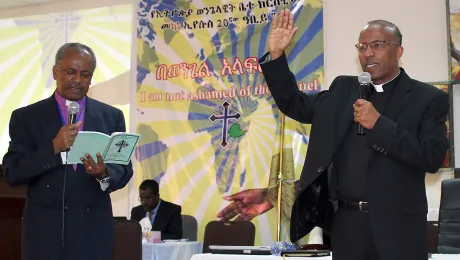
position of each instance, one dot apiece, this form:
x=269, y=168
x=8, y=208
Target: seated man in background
x=164, y=216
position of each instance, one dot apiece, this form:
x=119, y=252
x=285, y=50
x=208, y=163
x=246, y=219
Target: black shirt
x=353, y=156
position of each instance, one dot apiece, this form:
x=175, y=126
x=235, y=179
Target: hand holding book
x=116, y=148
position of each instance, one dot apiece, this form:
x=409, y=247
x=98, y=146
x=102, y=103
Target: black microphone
x=364, y=84
x=74, y=108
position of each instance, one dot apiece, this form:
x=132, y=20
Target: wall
x=422, y=24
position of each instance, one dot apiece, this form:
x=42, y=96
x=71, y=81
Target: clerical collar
x=379, y=87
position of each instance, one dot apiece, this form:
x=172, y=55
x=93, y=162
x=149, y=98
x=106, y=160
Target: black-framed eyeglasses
x=375, y=45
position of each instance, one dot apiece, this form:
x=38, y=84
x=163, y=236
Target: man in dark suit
x=164, y=216
x=68, y=212
x=367, y=191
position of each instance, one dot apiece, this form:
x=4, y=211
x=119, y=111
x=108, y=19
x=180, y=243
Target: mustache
x=370, y=61
x=74, y=85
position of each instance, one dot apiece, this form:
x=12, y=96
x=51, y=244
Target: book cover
x=116, y=148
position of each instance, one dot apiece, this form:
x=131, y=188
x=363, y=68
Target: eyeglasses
x=144, y=198
x=375, y=45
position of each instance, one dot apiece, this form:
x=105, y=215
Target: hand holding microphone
x=67, y=134
x=364, y=112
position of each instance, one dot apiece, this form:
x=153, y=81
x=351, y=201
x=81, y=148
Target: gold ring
x=89, y=167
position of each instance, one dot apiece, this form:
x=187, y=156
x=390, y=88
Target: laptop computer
x=307, y=253
x=240, y=250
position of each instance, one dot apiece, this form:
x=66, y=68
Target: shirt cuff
x=104, y=184
x=268, y=58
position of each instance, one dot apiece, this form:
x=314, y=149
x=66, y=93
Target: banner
x=210, y=128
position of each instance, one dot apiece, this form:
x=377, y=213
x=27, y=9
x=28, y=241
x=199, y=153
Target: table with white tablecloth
x=270, y=257
x=171, y=250
x=251, y=257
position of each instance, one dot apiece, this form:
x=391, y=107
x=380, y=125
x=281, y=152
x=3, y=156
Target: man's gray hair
x=76, y=46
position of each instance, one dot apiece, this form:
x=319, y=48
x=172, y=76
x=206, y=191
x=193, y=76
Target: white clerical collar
x=379, y=87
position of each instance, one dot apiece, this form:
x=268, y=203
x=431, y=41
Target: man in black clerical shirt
x=366, y=191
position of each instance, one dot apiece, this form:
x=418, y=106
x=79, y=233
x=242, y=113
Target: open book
x=116, y=148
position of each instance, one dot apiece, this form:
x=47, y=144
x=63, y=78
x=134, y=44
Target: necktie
x=150, y=213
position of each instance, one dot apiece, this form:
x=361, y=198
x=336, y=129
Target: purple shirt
x=65, y=110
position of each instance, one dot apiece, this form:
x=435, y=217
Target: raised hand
x=65, y=137
x=281, y=33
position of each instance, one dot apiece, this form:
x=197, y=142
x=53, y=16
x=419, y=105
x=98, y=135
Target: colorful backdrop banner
x=210, y=128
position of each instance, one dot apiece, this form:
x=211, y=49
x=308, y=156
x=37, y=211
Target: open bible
x=116, y=148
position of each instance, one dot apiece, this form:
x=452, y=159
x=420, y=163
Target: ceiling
x=10, y=4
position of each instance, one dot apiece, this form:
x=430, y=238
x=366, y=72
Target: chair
x=128, y=240
x=229, y=233
x=449, y=218
x=189, y=227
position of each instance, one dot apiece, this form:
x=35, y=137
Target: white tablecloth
x=251, y=257
x=269, y=257
x=170, y=250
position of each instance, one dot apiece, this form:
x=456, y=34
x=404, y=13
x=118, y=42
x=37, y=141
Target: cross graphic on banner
x=68, y=19
x=122, y=144
x=62, y=25
x=225, y=118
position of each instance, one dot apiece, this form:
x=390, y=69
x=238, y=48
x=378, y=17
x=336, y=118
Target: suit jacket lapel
x=159, y=219
x=401, y=95
x=141, y=213
x=347, y=116
x=51, y=121
x=90, y=121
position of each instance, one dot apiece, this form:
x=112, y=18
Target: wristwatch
x=105, y=178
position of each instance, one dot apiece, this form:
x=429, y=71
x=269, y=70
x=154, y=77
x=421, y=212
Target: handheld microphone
x=364, y=83
x=74, y=108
